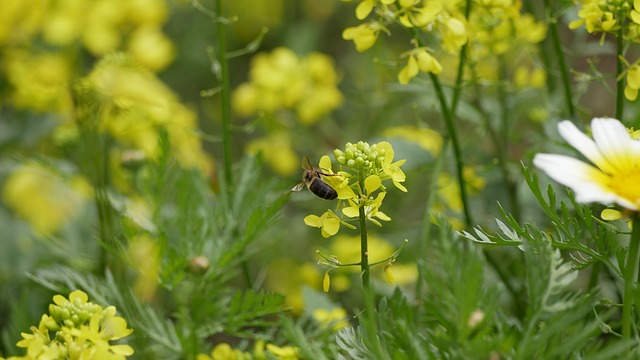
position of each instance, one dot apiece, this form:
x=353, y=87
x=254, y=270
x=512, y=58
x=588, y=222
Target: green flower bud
x=337, y=153
x=349, y=153
x=359, y=161
x=351, y=163
x=342, y=160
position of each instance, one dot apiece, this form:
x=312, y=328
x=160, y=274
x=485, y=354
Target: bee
x=312, y=178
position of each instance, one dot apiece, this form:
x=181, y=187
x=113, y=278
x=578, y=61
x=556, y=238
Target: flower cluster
x=281, y=83
x=134, y=107
x=77, y=329
x=444, y=21
x=100, y=26
x=620, y=18
x=282, y=80
x=359, y=183
x=224, y=351
x=44, y=198
x=499, y=30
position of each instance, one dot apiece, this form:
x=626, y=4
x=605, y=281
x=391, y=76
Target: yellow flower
x=329, y=223
x=616, y=156
x=284, y=352
x=426, y=138
x=281, y=80
x=277, y=152
x=633, y=82
x=43, y=198
x=151, y=48
x=371, y=209
x=392, y=170
x=144, y=254
x=336, y=318
x=419, y=60
x=40, y=82
x=364, y=35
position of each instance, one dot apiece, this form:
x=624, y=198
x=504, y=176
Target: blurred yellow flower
x=144, y=255
x=151, y=48
x=43, y=198
x=284, y=352
x=419, y=60
x=135, y=106
x=364, y=35
x=277, y=152
x=40, y=81
x=426, y=138
x=20, y=20
x=281, y=80
x=347, y=249
x=336, y=318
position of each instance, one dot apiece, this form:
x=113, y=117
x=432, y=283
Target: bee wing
x=306, y=163
x=298, y=187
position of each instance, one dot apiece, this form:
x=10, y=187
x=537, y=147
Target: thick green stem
x=619, y=80
x=628, y=273
x=364, y=245
x=225, y=93
x=562, y=63
x=453, y=134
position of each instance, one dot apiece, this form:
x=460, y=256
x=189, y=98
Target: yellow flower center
x=627, y=185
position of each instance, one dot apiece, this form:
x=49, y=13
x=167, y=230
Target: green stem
x=628, y=272
x=225, y=93
x=562, y=63
x=364, y=245
x=457, y=89
x=619, y=80
x=453, y=134
x=503, y=144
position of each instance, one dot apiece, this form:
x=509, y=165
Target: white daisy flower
x=615, y=178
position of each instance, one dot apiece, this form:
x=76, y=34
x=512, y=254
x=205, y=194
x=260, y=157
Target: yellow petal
x=351, y=211
x=331, y=225
x=372, y=183
x=633, y=77
x=630, y=94
x=364, y=9
x=325, y=163
x=312, y=220
x=409, y=71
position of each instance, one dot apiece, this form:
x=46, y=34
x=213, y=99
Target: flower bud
x=338, y=153
x=351, y=163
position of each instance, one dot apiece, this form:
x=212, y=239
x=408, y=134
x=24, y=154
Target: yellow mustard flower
x=276, y=148
x=83, y=331
x=21, y=20
x=144, y=254
x=283, y=352
x=43, y=198
x=419, y=60
x=633, y=82
x=151, y=47
x=328, y=222
x=336, y=318
x=428, y=139
x=40, y=82
x=281, y=80
x=364, y=35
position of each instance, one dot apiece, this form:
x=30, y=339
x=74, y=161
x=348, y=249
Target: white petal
x=587, y=182
x=584, y=144
x=614, y=143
